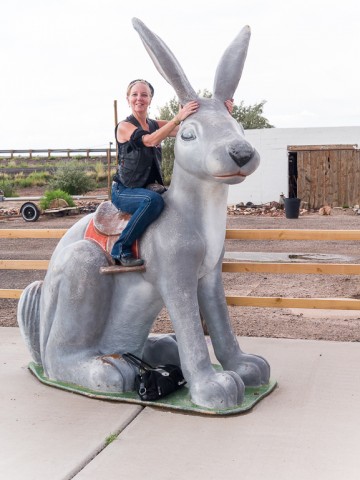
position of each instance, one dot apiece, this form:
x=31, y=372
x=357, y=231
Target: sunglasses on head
x=131, y=84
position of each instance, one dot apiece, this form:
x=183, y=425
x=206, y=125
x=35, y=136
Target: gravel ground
x=246, y=321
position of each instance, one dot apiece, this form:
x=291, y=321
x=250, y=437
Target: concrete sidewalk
x=308, y=428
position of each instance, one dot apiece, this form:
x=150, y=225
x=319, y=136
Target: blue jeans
x=144, y=205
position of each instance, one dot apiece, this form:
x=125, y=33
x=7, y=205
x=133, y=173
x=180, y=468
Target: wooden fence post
x=116, y=122
x=109, y=170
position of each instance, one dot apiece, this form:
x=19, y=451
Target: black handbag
x=152, y=383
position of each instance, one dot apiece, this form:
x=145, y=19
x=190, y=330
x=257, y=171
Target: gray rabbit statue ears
x=227, y=75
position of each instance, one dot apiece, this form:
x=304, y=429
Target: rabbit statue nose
x=241, y=152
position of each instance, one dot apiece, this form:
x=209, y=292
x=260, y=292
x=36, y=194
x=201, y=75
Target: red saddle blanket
x=106, y=226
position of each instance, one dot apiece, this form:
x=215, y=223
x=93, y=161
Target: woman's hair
x=140, y=80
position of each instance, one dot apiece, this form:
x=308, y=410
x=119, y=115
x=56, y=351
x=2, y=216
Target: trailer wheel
x=30, y=212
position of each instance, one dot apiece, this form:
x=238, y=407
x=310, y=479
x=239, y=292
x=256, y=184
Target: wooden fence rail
x=275, y=234
x=232, y=267
x=33, y=233
x=231, y=234
x=53, y=151
x=229, y=267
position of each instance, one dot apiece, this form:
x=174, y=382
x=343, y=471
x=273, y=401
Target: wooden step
x=120, y=269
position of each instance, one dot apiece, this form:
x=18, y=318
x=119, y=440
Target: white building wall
x=271, y=178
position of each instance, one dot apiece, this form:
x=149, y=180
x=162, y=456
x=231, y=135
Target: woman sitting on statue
x=139, y=166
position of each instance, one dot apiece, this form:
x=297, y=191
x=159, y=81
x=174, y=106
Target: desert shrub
x=23, y=165
x=7, y=187
x=101, y=173
x=34, y=179
x=71, y=177
x=51, y=195
x=11, y=163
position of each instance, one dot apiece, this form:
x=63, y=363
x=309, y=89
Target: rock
x=9, y=212
x=326, y=210
x=58, y=203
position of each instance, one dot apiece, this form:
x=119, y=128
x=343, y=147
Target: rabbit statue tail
x=29, y=318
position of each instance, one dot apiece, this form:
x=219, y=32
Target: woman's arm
x=169, y=128
x=229, y=104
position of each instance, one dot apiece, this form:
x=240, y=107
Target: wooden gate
x=328, y=175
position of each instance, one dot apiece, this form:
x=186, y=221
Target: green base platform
x=179, y=401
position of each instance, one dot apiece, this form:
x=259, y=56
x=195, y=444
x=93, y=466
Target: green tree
x=71, y=177
x=251, y=117
x=167, y=113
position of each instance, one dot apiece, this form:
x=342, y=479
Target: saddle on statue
x=104, y=229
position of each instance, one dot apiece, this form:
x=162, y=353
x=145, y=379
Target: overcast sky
x=64, y=62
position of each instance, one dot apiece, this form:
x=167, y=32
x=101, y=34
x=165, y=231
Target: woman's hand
x=186, y=110
x=229, y=104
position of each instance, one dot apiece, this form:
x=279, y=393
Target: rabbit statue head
x=211, y=136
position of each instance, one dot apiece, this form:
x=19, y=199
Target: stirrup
x=111, y=269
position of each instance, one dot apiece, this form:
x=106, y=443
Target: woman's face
x=139, y=97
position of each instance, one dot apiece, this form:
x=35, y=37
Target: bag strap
x=138, y=362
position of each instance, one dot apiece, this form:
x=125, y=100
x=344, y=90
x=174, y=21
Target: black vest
x=136, y=160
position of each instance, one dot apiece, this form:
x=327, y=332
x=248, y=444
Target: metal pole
x=116, y=144
x=116, y=122
x=109, y=170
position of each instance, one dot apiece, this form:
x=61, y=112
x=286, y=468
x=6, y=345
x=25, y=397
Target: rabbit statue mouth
x=231, y=175
x=230, y=179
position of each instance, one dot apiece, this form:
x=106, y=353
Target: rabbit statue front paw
x=219, y=390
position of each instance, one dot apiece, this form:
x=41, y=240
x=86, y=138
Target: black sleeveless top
x=138, y=165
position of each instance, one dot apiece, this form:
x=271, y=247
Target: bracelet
x=177, y=122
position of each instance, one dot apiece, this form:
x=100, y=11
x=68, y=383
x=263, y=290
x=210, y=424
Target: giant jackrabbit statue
x=78, y=321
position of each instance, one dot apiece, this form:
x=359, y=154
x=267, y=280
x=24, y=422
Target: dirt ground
x=246, y=321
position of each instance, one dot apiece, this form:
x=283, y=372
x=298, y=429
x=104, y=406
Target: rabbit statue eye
x=188, y=135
